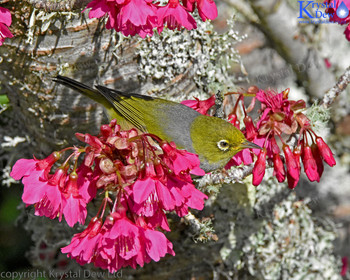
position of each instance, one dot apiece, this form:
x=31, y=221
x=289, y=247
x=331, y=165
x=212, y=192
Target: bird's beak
x=250, y=145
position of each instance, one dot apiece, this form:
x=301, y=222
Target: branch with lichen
x=235, y=174
x=339, y=87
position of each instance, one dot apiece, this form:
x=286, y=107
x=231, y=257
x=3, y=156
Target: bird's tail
x=83, y=89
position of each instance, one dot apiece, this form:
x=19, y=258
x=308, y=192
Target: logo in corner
x=342, y=11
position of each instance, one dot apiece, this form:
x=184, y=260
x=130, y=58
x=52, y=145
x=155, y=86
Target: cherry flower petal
x=158, y=245
x=207, y=9
x=201, y=106
x=5, y=16
x=142, y=189
x=175, y=16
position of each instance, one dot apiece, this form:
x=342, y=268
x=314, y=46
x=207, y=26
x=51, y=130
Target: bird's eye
x=223, y=145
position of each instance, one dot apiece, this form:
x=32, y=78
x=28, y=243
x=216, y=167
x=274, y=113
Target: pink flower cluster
x=279, y=119
x=338, y=11
x=132, y=17
x=5, y=22
x=140, y=180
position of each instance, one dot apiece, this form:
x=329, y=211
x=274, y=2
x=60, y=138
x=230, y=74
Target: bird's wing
x=126, y=105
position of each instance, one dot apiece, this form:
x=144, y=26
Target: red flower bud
x=201, y=106
x=47, y=163
x=278, y=168
x=71, y=187
x=296, y=154
x=233, y=119
x=249, y=128
x=310, y=166
x=293, y=166
x=106, y=130
x=259, y=168
x=59, y=177
x=274, y=147
x=344, y=268
x=318, y=159
x=325, y=151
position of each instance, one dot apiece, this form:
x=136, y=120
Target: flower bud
x=47, y=163
x=278, y=168
x=259, y=168
x=93, y=228
x=106, y=130
x=72, y=185
x=233, y=119
x=249, y=128
x=59, y=177
x=274, y=147
x=325, y=151
x=318, y=159
x=293, y=177
x=310, y=166
x=293, y=167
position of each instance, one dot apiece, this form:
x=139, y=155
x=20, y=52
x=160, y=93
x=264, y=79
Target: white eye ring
x=223, y=145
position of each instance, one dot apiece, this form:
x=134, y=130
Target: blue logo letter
x=304, y=9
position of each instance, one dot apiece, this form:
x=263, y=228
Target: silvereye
x=214, y=140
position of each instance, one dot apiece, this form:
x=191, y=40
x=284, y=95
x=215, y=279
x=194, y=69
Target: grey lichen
x=203, y=51
x=281, y=240
x=319, y=117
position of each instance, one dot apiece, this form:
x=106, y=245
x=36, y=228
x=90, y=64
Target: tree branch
x=340, y=86
x=306, y=62
x=232, y=175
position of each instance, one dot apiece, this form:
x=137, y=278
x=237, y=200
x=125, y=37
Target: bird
x=213, y=139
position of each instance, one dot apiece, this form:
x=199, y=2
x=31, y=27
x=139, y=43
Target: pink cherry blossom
x=50, y=203
x=174, y=15
x=5, y=22
x=201, y=106
x=33, y=168
x=207, y=9
x=136, y=17
x=181, y=160
x=278, y=119
x=125, y=243
x=73, y=204
x=99, y=8
x=35, y=174
x=84, y=244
